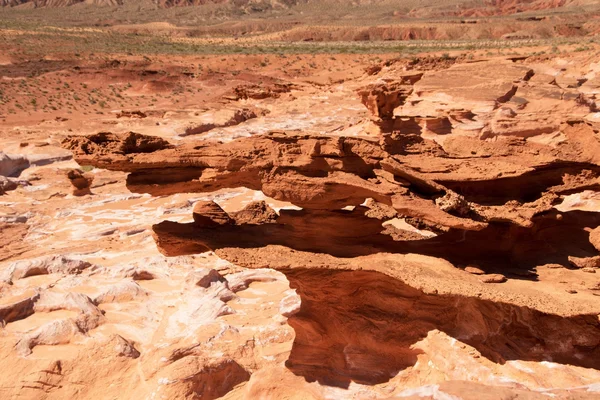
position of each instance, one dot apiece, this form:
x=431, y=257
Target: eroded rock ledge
x=476, y=216
x=430, y=226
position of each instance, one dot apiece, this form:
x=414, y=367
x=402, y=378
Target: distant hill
x=413, y=8
x=258, y=5
x=57, y=3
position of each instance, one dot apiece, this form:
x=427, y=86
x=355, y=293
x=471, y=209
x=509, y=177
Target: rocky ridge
x=467, y=9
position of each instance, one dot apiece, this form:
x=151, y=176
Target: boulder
x=121, y=292
x=472, y=269
x=12, y=165
x=123, y=347
x=257, y=212
x=7, y=184
x=585, y=262
x=209, y=214
x=453, y=203
x=81, y=182
x=595, y=238
x=203, y=277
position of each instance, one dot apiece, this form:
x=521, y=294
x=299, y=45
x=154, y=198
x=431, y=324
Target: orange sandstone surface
x=311, y=227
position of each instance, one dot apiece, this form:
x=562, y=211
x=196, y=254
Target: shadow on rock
x=361, y=326
x=551, y=239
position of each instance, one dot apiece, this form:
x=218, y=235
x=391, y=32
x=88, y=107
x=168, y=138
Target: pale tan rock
x=221, y=119
x=493, y=278
x=241, y=280
x=7, y=184
x=553, y=266
x=18, y=310
x=56, y=332
x=595, y=238
x=142, y=275
x=44, y=265
x=585, y=262
x=123, y=347
x=12, y=165
x=203, y=277
x=121, y=292
x=475, y=270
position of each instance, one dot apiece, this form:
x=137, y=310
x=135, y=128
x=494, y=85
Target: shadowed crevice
x=352, y=234
x=361, y=326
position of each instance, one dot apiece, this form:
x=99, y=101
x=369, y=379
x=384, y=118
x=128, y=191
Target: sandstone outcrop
x=222, y=119
x=43, y=266
x=323, y=175
x=210, y=214
x=468, y=175
x=81, y=182
x=426, y=230
x=12, y=165
x=7, y=184
x=258, y=92
x=595, y=238
x=256, y=213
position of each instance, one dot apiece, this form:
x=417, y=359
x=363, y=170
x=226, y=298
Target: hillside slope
x=411, y=8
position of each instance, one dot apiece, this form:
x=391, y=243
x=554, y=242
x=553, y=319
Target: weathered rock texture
x=468, y=154
x=428, y=229
x=81, y=182
x=324, y=175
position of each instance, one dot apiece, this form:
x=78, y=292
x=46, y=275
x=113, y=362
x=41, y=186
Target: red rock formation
x=323, y=175
x=456, y=249
x=208, y=214
x=81, y=182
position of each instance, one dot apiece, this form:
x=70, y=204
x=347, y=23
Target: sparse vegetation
x=43, y=39
x=48, y=86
